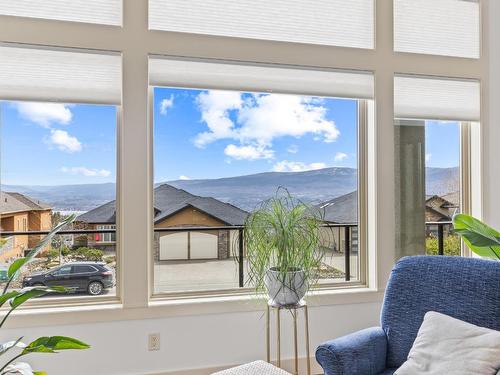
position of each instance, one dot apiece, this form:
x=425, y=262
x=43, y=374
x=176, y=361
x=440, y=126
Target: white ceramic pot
x=285, y=289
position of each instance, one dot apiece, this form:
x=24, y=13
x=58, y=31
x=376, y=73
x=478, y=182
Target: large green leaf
x=479, y=237
x=26, y=294
x=9, y=295
x=54, y=344
x=19, y=263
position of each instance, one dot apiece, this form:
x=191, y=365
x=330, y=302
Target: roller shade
x=106, y=12
x=438, y=27
x=347, y=23
x=436, y=98
x=259, y=78
x=59, y=75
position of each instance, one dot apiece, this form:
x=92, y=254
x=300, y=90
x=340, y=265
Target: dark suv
x=91, y=277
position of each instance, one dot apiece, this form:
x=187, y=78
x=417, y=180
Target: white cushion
x=254, y=368
x=445, y=345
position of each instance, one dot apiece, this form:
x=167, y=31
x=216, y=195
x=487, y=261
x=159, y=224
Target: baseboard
x=286, y=364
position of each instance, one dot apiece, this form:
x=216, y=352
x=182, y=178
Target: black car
x=91, y=277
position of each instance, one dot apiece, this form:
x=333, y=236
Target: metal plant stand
x=293, y=309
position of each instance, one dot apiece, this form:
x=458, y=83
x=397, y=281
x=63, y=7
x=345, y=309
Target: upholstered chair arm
x=361, y=353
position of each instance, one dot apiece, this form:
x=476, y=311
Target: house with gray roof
x=176, y=208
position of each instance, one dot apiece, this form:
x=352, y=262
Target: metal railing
x=348, y=245
x=440, y=232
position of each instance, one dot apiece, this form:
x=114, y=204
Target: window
x=107, y=12
x=252, y=49
x=84, y=269
x=65, y=270
x=105, y=237
x=433, y=168
x=73, y=173
x=438, y=27
x=331, y=22
x=218, y=154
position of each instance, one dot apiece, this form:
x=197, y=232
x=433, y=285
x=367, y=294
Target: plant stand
x=293, y=309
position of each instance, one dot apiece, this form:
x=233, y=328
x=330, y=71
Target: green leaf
x=479, y=237
x=26, y=294
x=5, y=297
x=53, y=344
x=16, y=266
x=39, y=373
x=6, y=346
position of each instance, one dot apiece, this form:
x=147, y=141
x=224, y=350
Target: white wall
x=120, y=348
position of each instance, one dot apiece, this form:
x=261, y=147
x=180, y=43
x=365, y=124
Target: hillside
x=243, y=191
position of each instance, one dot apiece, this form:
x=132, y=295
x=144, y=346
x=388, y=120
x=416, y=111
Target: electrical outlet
x=154, y=342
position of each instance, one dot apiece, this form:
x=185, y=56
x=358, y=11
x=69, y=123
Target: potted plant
x=479, y=237
x=16, y=298
x=282, y=238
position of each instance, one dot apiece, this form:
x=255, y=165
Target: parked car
x=91, y=277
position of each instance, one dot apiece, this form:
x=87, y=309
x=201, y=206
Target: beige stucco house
x=21, y=213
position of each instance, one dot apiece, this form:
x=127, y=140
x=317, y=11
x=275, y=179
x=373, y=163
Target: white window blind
x=259, y=78
x=107, y=12
x=437, y=27
x=59, y=75
x=436, y=98
x=348, y=23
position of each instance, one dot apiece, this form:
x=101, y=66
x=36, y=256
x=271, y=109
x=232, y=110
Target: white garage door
x=203, y=246
x=174, y=246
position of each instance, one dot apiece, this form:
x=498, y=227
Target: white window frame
x=134, y=177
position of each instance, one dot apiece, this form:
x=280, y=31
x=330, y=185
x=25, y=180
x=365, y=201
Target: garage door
x=203, y=246
x=174, y=246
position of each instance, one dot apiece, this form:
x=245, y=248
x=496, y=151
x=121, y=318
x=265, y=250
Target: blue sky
x=197, y=134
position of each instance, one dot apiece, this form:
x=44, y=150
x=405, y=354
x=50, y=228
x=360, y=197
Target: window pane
x=428, y=188
x=437, y=27
x=57, y=159
x=107, y=12
x=347, y=23
x=219, y=154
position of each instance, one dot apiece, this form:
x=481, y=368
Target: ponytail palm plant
x=282, y=238
x=16, y=298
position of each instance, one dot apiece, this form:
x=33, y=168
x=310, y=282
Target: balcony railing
x=347, y=233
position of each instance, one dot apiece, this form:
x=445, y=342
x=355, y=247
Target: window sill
x=34, y=316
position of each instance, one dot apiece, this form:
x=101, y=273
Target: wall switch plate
x=153, y=341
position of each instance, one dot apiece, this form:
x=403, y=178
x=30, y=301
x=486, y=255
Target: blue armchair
x=464, y=288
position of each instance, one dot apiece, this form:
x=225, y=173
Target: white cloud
x=215, y=106
x=250, y=152
x=428, y=157
x=184, y=178
x=261, y=118
x=339, y=156
x=296, y=166
x=44, y=114
x=87, y=172
x=64, y=142
x=292, y=149
x=165, y=104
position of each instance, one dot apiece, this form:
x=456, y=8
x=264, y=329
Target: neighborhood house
x=21, y=213
x=176, y=208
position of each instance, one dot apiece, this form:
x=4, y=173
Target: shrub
x=52, y=254
x=94, y=255
x=65, y=251
x=452, y=245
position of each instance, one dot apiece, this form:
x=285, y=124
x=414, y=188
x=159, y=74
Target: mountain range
x=246, y=192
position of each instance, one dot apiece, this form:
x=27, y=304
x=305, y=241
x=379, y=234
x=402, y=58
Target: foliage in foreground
x=479, y=237
x=15, y=298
